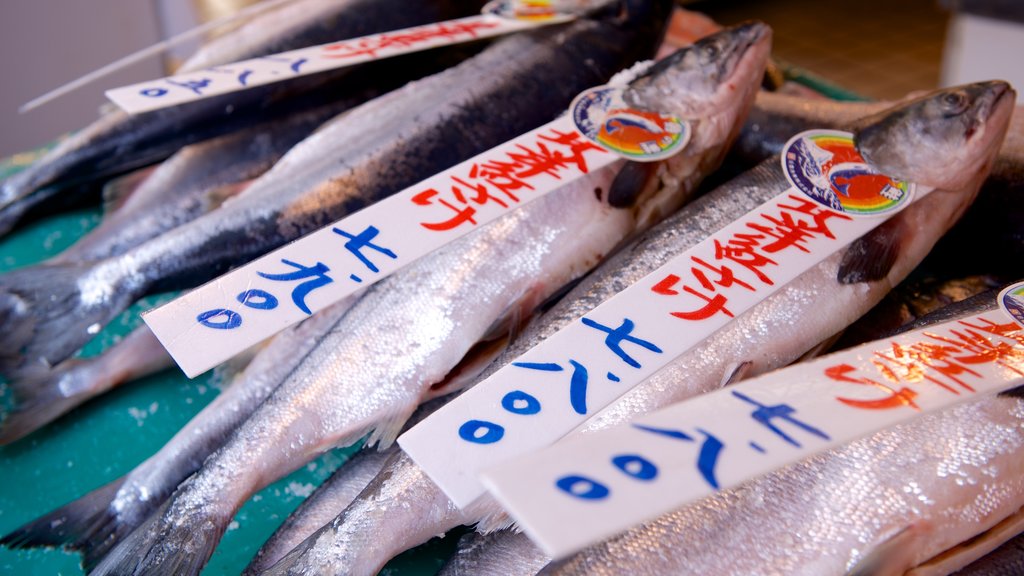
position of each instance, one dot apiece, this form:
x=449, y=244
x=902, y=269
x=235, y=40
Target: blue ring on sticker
x=826, y=167
x=593, y=490
x=492, y=432
x=602, y=115
x=1011, y=300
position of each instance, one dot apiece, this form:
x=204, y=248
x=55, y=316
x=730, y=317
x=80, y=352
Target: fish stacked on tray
x=284, y=160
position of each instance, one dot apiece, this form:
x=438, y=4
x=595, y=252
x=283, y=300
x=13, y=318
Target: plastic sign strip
x=227, y=78
x=557, y=385
x=226, y=316
x=589, y=488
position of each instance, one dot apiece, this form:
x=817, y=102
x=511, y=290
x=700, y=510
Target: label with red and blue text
x=228, y=315
x=499, y=18
x=557, y=385
x=591, y=487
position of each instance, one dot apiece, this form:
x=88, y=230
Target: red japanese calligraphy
x=499, y=181
x=370, y=45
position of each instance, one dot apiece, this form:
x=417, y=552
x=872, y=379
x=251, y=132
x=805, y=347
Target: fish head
x=946, y=139
x=703, y=79
x=711, y=85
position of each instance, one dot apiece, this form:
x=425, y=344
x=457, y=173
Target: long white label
x=182, y=88
x=586, y=489
x=560, y=383
x=224, y=317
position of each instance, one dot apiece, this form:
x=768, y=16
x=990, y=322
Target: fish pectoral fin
x=117, y=191
x=972, y=549
x=895, y=554
x=472, y=364
x=735, y=372
x=870, y=257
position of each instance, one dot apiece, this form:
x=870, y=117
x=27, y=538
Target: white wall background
x=45, y=43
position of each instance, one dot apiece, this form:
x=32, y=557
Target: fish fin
x=472, y=364
x=894, y=554
x=735, y=372
x=116, y=192
x=35, y=402
x=870, y=257
x=820, y=348
x=630, y=183
x=492, y=516
x=45, y=319
x=972, y=549
x=67, y=524
x=164, y=546
x=385, y=431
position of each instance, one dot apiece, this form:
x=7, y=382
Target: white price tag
x=224, y=317
x=588, y=488
x=557, y=385
x=183, y=88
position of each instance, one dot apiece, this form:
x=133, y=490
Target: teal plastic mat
x=106, y=438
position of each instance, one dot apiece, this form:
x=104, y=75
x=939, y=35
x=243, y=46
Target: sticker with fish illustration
x=825, y=165
x=1011, y=300
x=603, y=116
x=528, y=10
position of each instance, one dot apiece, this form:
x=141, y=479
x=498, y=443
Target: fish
x=505, y=552
x=118, y=142
x=995, y=218
x=35, y=402
x=716, y=79
x=98, y=520
x=774, y=333
x=922, y=498
x=195, y=180
x=399, y=346
x=364, y=155
x=331, y=497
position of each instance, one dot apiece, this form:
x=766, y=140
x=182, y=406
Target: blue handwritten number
x=153, y=92
x=317, y=274
x=209, y=319
x=471, y=432
x=764, y=414
x=616, y=336
x=258, y=299
x=362, y=240
x=582, y=487
x=511, y=400
x=636, y=466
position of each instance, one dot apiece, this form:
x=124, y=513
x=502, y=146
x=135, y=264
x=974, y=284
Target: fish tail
x=69, y=524
x=34, y=403
x=169, y=543
x=45, y=318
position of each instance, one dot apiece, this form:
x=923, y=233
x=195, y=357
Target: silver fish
x=402, y=501
x=331, y=497
x=118, y=142
x=400, y=342
x=775, y=333
x=362, y=156
x=504, y=552
x=95, y=522
x=923, y=498
x=195, y=180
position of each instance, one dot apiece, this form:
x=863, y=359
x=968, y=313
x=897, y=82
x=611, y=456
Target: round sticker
x=825, y=165
x=603, y=116
x=1011, y=300
x=529, y=10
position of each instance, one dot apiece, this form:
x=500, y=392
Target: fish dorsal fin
x=893, y=555
x=871, y=256
x=964, y=553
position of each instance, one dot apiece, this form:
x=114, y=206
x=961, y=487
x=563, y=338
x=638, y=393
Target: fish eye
x=954, y=102
x=709, y=52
